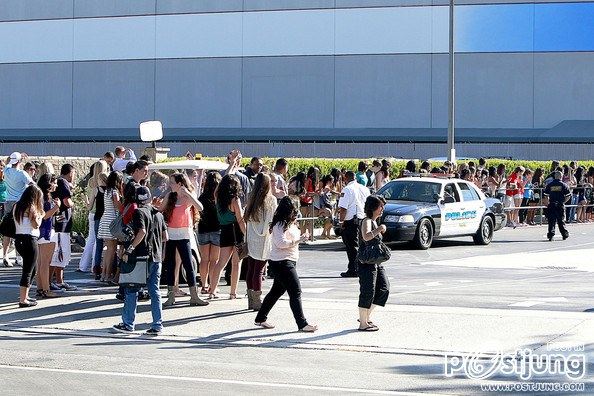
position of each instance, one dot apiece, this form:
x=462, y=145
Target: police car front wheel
x=424, y=235
x=484, y=235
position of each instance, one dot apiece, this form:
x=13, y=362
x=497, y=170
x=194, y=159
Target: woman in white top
x=283, y=260
x=86, y=262
x=258, y=215
x=28, y=214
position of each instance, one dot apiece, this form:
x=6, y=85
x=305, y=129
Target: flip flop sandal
x=369, y=328
x=369, y=323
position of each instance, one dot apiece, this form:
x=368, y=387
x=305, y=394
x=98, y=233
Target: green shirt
x=2, y=191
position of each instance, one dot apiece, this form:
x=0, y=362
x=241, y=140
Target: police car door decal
x=453, y=214
x=473, y=208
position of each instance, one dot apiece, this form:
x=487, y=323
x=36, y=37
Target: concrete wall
x=533, y=151
x=290, y=64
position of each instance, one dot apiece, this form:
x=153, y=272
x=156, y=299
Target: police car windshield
x=408, y=190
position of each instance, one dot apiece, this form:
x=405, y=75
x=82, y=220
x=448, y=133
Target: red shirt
x=309, y=188
x=129, y=212
x=514, y=178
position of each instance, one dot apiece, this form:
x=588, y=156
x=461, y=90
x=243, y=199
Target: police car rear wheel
x=485, y=233
x=424, y=235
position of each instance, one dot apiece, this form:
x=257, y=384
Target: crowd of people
x=522, y=188
x=213, y=222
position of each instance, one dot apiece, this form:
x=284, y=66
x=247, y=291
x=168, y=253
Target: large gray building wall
x=337, y=90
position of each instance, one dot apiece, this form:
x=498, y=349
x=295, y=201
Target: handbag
x=134, y=272
x=240, y=247
x=373, y=252
x=7, y=225
x=119, y=230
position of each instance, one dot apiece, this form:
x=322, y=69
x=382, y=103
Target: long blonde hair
x=45, y=168
x=99, y=168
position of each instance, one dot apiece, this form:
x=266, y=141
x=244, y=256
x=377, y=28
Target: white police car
x=420, y=209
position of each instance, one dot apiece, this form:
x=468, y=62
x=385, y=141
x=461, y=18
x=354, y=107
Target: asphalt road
x=520, y=265
x=519, y=271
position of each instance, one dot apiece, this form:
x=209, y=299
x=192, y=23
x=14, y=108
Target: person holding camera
x=150, y=232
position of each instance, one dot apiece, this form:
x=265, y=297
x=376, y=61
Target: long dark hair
x=327, y=180
x=210, y=185
x=257, y=198
x=537, y=176
x=285, y=214
x=45, y=184
x=179, y=178
x=313, y=173
x=299, y=180
x=579, y=175
x=31, y=200
x=411, y=166
x=115, y=180
x=228, y=190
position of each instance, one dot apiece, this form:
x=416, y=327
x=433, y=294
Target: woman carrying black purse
x=373, y=281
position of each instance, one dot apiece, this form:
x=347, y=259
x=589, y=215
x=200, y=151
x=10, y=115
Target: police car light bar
x=435, y=175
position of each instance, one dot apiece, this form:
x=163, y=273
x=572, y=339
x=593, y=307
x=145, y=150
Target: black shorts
x=231, y=235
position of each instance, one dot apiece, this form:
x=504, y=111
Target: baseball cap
x=142, y=195
x=15, y=158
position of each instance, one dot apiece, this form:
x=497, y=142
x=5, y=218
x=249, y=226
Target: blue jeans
x=131, y=299
x=98, y=250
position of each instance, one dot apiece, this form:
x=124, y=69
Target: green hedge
x=326, y=164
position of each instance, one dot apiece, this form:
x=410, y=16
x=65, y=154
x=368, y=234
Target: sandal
x=212, y=296
x=265, y=325
x=232, y=296
x=369, y=328
x=308, y=329
x=369, y=322
x=204, y=290
x=48, y=294
x=27, y=304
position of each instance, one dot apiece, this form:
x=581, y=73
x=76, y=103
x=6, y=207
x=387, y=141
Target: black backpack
x=153, y=235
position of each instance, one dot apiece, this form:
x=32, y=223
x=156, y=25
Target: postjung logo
x=524, y=363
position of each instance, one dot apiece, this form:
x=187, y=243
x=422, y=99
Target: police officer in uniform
x=350, y=206
x=558, y=193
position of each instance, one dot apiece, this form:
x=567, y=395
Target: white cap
x=15, y=158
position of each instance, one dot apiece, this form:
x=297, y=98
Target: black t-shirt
x=149, y=219
x=209, y=221
x=63, y=219
x=130, y=191
x=99, y=203
x=557, y=191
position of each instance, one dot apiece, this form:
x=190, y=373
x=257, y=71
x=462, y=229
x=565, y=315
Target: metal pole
x=451, y=107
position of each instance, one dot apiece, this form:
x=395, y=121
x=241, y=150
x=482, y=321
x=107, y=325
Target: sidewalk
x=421, y=330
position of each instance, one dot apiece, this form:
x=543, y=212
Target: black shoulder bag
x=374, y=251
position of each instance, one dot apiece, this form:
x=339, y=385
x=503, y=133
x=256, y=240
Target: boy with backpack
x=150, y=232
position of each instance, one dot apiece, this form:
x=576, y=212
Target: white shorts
x=62, y=252
x=508, y=202
x=53, y=239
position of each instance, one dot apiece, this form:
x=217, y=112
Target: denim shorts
x=213, y=238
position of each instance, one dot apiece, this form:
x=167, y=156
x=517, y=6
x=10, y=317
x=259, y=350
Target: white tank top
x=26, y=228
